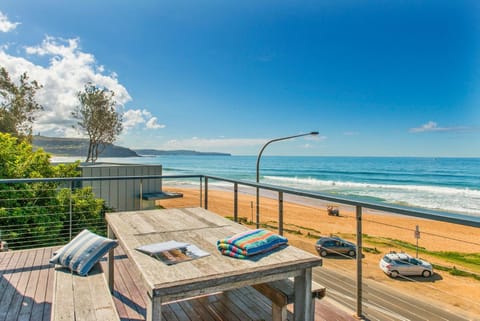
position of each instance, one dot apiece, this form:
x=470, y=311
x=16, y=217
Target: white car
x=395, y=264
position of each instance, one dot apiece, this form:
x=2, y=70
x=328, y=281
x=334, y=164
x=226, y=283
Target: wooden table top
x=202, y=228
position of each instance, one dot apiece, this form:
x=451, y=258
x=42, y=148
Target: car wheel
x=426, y=274
x=351, y=253
x=323, y=253
x=394, y=274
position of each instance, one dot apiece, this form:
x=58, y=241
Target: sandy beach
x=304, y=222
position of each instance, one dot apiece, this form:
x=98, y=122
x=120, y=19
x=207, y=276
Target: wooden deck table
x=205, y=275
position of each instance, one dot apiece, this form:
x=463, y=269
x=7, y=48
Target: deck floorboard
x=26, y=285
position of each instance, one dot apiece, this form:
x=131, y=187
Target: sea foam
x=450, y=199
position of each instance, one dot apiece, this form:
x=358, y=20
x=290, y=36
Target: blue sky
x=375, y=78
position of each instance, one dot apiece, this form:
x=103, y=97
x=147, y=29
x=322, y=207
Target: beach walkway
x=26, y=285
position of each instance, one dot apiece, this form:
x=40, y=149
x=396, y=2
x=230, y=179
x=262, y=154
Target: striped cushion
x=251, y=242
x=81, y=253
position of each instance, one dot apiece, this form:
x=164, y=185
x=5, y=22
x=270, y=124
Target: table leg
x=154, y=309
x=302, y=309
x=110, y=260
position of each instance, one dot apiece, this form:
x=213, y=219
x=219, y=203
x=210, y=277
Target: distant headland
x=155, y=152
x=60, y=146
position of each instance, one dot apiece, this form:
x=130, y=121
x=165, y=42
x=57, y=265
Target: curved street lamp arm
x=276, y=140
x=258, y=168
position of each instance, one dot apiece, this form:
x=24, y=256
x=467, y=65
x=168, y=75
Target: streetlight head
x=314, y=133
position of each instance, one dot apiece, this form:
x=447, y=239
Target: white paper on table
x=155, y=248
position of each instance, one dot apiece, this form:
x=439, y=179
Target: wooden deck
x=26, y=283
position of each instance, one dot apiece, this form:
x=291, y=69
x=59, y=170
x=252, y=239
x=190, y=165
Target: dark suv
x=335, y=245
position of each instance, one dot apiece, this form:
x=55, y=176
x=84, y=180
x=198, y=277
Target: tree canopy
x=97, y=118
x=37, y=214
x=17, y=105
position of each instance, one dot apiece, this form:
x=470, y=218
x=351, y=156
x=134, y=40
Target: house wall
x=123, y=195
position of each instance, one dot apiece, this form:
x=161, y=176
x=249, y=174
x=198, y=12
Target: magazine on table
x=173, y=252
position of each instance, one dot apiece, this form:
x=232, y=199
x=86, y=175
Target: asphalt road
x=380, y=302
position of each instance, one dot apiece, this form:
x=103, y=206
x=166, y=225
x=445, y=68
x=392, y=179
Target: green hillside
x=77, y=147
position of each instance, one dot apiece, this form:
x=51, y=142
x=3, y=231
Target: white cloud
x=152, y=123
x=432, y=126
x=67, y=72
x=132, y=118
x=135, y=117
x=5, y=24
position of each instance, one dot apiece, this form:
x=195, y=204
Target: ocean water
x=445, y=184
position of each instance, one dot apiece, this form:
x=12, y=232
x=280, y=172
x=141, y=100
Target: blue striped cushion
x=81, y=253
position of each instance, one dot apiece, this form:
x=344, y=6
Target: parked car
x=395, y=264
x=335, y=245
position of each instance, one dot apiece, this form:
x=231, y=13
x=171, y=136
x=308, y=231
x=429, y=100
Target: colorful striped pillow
x=81, y=253
x=250, y=243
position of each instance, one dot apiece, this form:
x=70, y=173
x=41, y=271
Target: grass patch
x=297, y=232
x=285, y=230
x=470, y=260
x=456, y=272
x=241, y=220
x=305, y=228
x=373, y=250
x=313, y=236
x=389, y=242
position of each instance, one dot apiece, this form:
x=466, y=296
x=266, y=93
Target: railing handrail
x=86, y=178
x=448, y=217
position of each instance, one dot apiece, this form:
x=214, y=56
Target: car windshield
x=387, y=259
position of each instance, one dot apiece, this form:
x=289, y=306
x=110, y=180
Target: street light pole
x=258, y=166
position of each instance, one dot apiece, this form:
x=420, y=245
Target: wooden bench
x=81, y=298
x=282, y=293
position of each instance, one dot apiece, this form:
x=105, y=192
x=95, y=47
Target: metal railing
x=49, y=211
x=359, y=206
x=39, y=212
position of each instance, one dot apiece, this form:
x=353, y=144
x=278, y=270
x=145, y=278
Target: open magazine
x=173, y=252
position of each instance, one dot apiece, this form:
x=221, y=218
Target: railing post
x=201, y=191
x=70, y=210
x=206, y=193
x=280, y=213
x=258, y=207
x=235, y=202
x=141, y=194
x=359, y=261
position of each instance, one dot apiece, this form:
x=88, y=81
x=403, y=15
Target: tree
x=98, y=118
x=17, y=105
x=28, y=211
x=38, y=214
